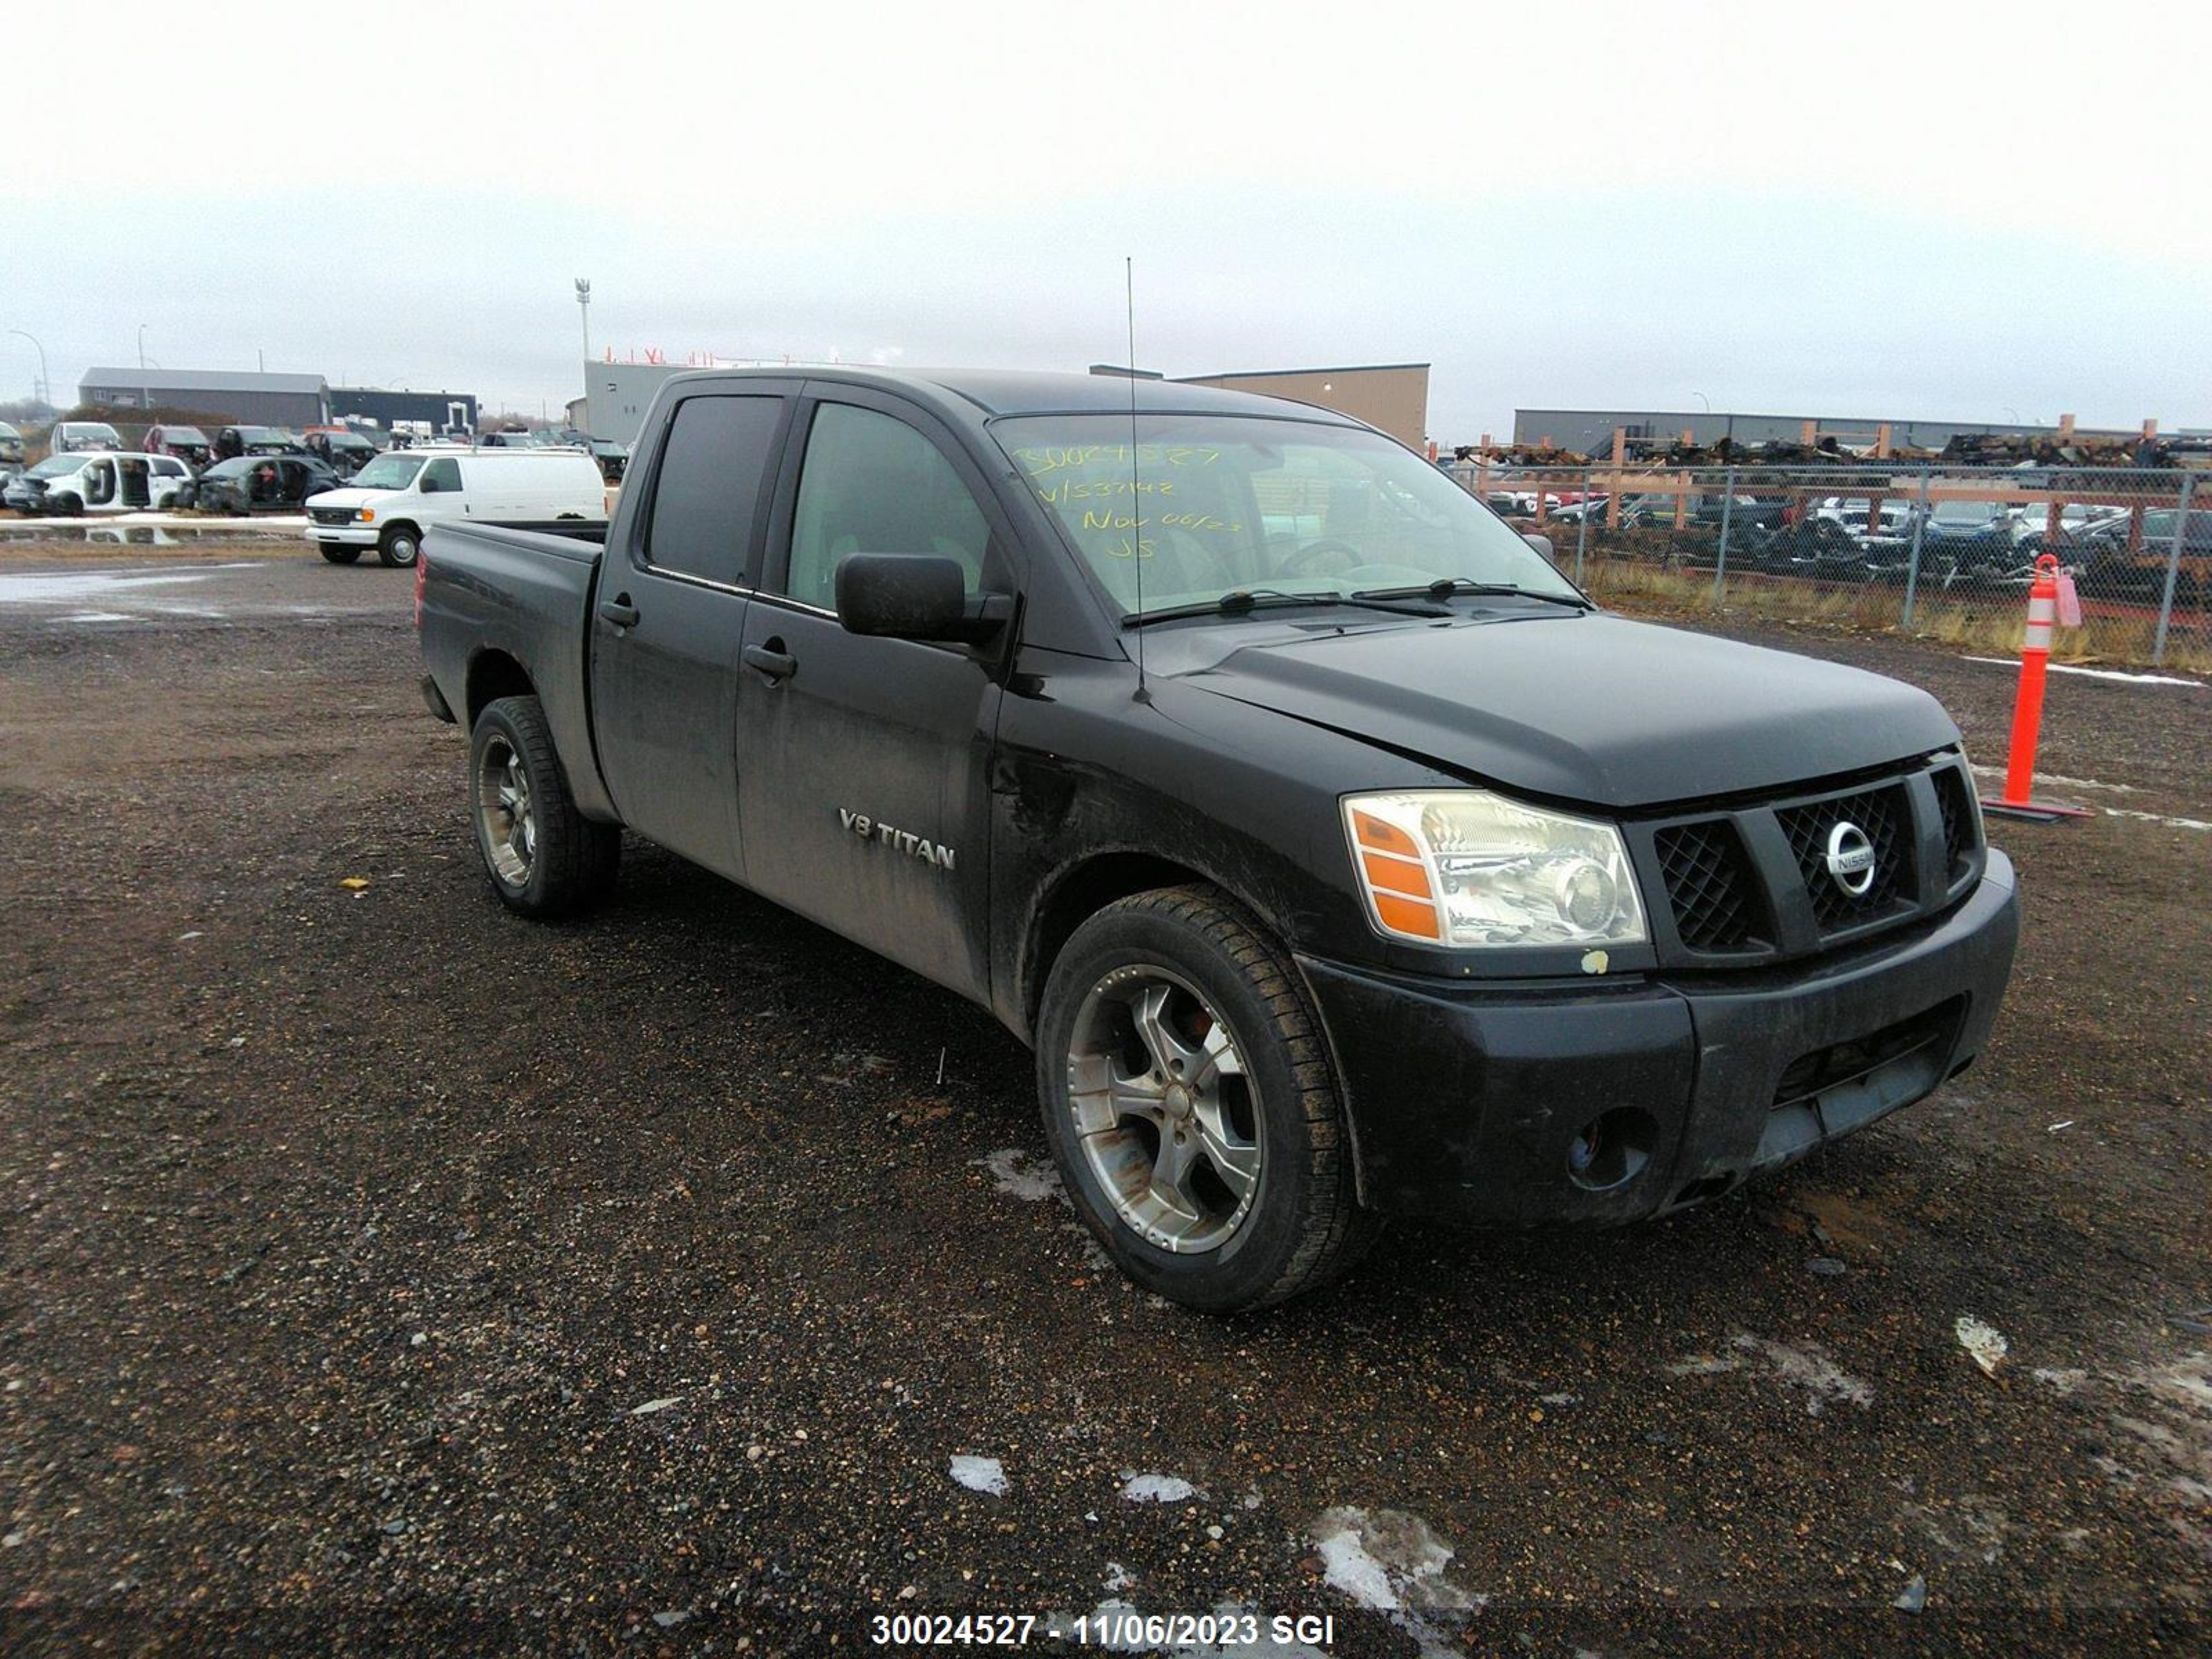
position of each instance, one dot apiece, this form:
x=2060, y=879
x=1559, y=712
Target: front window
x=1204, y=505
x=443, y=474
x=388, y=472
x=873, y=484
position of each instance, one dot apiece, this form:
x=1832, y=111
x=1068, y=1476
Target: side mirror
x=1543, y=544
x=914, y=596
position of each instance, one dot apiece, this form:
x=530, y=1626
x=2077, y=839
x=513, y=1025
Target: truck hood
x=1591, y=707
x=352, y=495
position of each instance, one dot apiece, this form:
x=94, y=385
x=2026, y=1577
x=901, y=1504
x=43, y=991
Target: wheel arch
x=1087, y=885
x=494, y=674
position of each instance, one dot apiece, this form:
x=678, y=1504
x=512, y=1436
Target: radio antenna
x=1136, y=494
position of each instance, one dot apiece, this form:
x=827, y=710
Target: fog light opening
x=1612, y=1148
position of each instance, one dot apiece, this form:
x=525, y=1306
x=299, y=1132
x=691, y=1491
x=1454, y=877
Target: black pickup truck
x=1333, y=853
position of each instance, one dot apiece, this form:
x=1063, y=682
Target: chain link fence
x=1943, y=552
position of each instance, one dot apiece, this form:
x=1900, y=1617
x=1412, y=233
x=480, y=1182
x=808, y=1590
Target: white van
x=400, y=494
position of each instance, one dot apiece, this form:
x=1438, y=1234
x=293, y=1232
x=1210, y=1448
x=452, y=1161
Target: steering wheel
x=1305, y=561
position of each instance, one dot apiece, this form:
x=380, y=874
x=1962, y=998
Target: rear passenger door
x=670, y=608
x=864, y=760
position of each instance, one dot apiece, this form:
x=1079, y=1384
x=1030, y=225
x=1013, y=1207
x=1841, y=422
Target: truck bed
x=496, y=594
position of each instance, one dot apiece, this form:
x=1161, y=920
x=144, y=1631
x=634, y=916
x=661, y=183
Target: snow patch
x=985, y=1474
x=1019, y=1174
x=1157, y=1489
x=1809, y=1368
x=1389, y=1561
x=1984, y=1344
x=2100, y=673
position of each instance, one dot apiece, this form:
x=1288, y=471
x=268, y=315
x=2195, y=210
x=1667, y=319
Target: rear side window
x=708, y=491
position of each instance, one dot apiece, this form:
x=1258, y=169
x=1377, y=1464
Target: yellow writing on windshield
x=1060, y=458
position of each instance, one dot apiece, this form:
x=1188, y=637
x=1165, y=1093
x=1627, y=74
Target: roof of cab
x=996, y=391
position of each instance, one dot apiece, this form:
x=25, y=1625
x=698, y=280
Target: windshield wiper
x=1451, y=587
x=1240, y=601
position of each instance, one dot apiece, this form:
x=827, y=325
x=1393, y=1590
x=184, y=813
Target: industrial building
x=1392, y=396
x=1589, y=431
x=255, y=400
x=441, y=411
x=617, y=396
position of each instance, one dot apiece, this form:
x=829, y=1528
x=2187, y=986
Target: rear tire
x=1189, y=1101
x=400, y=546
x=544, y=857
x=337, y=554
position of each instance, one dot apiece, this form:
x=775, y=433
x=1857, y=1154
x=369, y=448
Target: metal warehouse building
x=1392, y=396
x=1590, y=430
x=251, y=398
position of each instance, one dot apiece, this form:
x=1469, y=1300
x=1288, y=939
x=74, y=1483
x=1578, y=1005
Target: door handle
x=619, y=611
x=770, y=661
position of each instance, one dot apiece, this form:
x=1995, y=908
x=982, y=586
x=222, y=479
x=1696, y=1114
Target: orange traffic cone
x=2027, y=706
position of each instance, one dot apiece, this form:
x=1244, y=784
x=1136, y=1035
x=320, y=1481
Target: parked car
x=2110, y=565
x=73, y=483
x=82, y=437
x=233, y=442
x=344, y=452
x=1372, y=869
x=187, y=443
x=261, y=484
x=1892, y=523
x=393, y=500
x=11, y=446
x=1966, y=535
x=2031, y=524
x=613, y=457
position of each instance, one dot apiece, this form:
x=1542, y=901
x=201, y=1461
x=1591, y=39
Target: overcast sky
x=1919, y=210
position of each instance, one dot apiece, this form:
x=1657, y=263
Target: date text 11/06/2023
x=1113, y=1629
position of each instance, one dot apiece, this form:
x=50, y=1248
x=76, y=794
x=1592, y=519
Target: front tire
x=337, y=554
x=544, y=857
x=401, y=545
x=1190, y=1104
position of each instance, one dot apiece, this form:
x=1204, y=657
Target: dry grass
x=1989, y=626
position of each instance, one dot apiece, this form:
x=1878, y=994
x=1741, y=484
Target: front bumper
x=341, y=535
x=1471, y=1101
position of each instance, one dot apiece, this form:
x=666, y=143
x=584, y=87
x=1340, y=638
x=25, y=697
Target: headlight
x=1466, y=868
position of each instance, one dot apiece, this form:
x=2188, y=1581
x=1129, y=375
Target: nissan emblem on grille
x=1850, y=858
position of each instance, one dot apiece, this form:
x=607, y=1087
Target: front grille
x=1886, y=818
x=331, y=515
x=1710, y=884
x=1958, y=819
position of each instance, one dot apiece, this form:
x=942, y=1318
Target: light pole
x=584, y=309
x=44, y=389
x=145, y=391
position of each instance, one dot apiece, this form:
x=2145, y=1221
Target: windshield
x=388, y=472
x=54, y=465
x=1209, y=505
x=237, y=466
x=183, y=435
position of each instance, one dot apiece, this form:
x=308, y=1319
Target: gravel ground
x=381, y=1271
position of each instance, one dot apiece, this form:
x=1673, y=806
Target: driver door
x=863, y=761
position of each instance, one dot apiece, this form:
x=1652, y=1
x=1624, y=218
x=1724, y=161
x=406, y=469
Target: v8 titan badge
x=932, y=853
